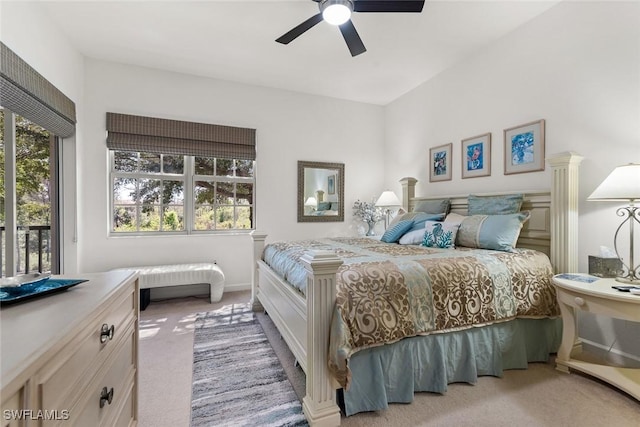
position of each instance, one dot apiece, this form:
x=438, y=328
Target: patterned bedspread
x=386, y=292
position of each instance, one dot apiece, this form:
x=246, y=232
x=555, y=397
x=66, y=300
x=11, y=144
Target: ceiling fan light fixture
x=336, y=12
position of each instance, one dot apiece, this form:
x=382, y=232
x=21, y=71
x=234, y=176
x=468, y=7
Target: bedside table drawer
x=598, y=304
x=574, y=300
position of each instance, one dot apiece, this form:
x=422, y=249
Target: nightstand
x=574, y=293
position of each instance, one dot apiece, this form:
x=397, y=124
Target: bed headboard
x=553, y=226
x=536, y=233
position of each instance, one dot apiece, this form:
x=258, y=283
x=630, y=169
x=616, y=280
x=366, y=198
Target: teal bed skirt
x=394, y=372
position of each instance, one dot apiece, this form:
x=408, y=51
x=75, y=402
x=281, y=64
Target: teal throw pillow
x=495, y=205
x=439, y=235
x=393, y=233
x=497, y=232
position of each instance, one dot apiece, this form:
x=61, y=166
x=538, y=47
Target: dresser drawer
x=128, y=412
x=74, y=365
x=11, y=410
x=109, y=391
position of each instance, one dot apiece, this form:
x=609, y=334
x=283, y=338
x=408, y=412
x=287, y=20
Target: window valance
x=155, y=135
x=26, y=92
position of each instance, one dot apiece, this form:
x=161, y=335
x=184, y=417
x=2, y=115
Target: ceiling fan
x=338, y=12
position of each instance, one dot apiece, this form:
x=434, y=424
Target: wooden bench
x=158, y=276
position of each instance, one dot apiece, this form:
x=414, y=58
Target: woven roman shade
x=27, y=93
x=153, y=135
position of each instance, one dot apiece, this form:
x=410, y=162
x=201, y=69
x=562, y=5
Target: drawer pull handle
x=106, y=396
x=579, y=301
x=106, y=333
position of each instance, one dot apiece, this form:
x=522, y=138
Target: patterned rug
x=237, y=378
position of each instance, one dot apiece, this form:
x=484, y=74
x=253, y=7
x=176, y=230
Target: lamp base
x=628, y=281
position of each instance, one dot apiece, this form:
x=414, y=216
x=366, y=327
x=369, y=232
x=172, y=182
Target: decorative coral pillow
x=439, y=235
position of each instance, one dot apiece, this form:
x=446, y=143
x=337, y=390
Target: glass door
x=28, y=197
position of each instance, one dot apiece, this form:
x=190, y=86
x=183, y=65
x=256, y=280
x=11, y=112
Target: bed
x=391, y=368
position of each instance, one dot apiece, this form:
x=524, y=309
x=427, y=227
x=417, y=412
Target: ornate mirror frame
x=325, y=182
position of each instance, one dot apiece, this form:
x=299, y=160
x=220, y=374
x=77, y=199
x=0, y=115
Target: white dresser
x=71, y=358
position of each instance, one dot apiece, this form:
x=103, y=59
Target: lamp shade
x=622, y=184
x=388, y=199
x=311, y=201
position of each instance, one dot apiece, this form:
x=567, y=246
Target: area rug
x=237, y=378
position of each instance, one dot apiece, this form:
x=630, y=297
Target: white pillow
x=412, y=237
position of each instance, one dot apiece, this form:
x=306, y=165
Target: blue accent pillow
x=439, y=235
x=495, y=205
x=393, y=233
x=497, y=232
x=421, y=218
x=324, y=206
x=433, y=206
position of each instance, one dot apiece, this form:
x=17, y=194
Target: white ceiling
x=235, y=41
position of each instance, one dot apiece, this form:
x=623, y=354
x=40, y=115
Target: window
x=223, y=194
x=171, y=193
x=170, y=176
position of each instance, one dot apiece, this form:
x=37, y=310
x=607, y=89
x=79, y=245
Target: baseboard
x=236, y=287
x=193, y=290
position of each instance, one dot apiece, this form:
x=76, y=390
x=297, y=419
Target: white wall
x=290, y=127
x=578, y=67
x=26, y=31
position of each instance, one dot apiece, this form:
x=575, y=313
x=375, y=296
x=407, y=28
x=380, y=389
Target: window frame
x=189, y=179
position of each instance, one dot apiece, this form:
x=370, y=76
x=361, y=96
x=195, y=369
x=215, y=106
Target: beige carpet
x=538, y=396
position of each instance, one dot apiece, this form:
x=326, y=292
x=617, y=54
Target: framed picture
x=331, y=184
x=476, y=156
x=440, y=163
x=524, y=148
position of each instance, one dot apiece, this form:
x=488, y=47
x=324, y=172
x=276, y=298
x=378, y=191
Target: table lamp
x=311, y=202
x=623, y=184
x=388, y=200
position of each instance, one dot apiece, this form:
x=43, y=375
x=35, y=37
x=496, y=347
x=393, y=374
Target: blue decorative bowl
x=32, y=287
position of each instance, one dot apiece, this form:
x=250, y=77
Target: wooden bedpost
x=408, y=191
x=319, y=404
x=258, y=246
x=564, y=211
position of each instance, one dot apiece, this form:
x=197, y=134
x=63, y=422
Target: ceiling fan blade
x=354, y=42
x=297, y=31
x=388, y=5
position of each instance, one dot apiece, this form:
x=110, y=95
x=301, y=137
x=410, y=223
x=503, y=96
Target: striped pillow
x=393, y=233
